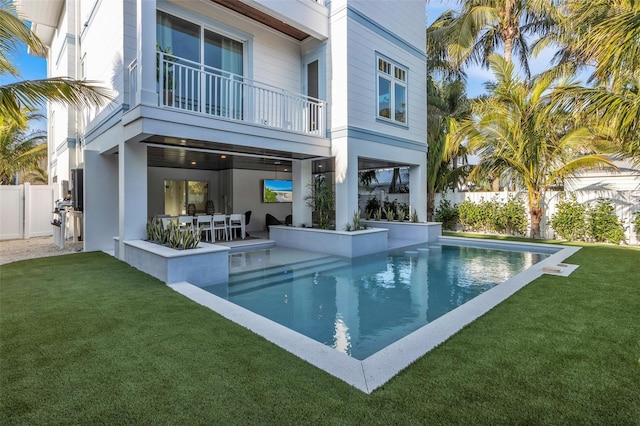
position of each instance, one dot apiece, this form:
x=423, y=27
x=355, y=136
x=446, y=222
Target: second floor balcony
x=189, y=86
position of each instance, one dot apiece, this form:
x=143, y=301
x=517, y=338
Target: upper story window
x=392, y=91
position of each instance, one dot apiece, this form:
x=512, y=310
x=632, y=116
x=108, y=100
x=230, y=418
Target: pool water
x=359, y=306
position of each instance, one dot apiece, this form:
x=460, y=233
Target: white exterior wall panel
x=363, y=82
x=276, y=61
x=102, y=45
x=337, y=70
x=401, y=18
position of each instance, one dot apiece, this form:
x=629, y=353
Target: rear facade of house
x=213, y=97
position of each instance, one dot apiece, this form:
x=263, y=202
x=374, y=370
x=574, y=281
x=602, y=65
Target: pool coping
x=374, y=371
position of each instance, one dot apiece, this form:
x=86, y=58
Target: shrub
x=636, y=223
x=447, y=214
x=512, y=217
x=468, y=214
x=602, y=223
x=569, y=220
x=479, y=217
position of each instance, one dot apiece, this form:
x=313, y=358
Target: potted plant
x=167, y=73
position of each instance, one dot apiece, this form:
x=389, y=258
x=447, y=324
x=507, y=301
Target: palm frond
x=33, y=93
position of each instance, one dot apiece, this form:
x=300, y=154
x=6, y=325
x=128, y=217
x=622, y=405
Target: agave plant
x=414, y=216
x=173, y=236
x=155, y=231
x=357, y=225
x=377, y=215
x=401, y=214
x=390, y=214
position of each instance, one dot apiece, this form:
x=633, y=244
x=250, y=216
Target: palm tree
x=31, y=94
x=447, y=105
x=518, y=135
x=604, y=34
x=20, y=150
x=481, y=27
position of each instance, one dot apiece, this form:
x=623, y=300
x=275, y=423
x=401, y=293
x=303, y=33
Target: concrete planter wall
x=340, y=243
x=204, y=265
x=418, y=232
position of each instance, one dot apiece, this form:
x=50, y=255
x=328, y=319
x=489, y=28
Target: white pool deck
x=377, y=369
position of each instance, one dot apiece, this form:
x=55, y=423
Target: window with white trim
x=392, y=91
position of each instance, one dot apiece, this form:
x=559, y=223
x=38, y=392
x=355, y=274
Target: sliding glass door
x=205, y=69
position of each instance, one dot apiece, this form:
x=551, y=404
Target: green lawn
x=86, y=339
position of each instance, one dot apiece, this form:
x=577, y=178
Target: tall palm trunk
x=431, y=201
x=511, y=30
x=535, y=213
x=536, y=218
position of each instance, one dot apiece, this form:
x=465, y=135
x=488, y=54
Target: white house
x=212, y=97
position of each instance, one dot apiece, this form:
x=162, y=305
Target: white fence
x=25, y=211
x=627, y=203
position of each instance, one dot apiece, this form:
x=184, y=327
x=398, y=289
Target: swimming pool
x=375, y=370
x=359, y=306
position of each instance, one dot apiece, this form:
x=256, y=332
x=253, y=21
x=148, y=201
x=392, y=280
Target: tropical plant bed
x=340, y=243
x=418, y=231
x=203, y=265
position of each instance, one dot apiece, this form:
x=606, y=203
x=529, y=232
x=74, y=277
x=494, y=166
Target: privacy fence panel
x=11, y=212
x=25, y=211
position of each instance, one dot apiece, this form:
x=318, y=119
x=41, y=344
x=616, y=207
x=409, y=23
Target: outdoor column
x=346, y=180
x=132, y=186
x=418, y=190
x=146, y=48
x=301, y=175
x=100, y=200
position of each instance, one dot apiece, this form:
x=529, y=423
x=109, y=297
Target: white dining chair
x=219, y=224
x=185, y=221
x=205, y=224
x=235, y=223
x=167, y=220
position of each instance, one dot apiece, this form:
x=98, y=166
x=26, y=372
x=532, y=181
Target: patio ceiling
x=223, y=157
x=202, y=160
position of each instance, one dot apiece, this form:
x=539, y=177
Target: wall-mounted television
x=277, y=191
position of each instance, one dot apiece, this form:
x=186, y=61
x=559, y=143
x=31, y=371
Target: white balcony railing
x=190, y=86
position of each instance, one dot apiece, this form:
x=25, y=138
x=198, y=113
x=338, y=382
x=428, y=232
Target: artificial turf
x=86, y=339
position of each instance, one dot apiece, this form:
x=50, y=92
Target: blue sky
x=30, y=67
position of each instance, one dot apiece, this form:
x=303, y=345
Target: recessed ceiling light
x=183, y=140
x=223, y=156
x=193, y=163
x=319, y=166
x=286, y=170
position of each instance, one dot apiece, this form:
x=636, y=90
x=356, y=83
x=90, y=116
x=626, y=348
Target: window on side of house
x=392, y=91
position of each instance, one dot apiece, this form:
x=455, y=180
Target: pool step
x=251, y=280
